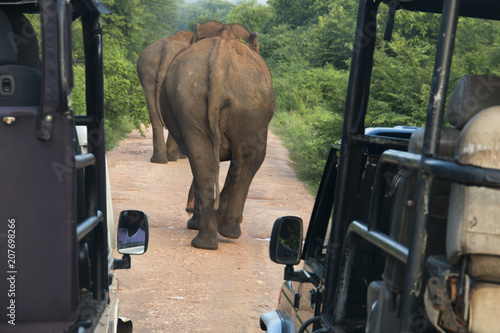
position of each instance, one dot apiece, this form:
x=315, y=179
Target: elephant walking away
x=217, y=101
x=152, y=67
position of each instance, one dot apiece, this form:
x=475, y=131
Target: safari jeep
x=57, y=232
x=404, y=235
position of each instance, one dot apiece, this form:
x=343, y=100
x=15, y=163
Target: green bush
x=309, y=115
x=124, y=103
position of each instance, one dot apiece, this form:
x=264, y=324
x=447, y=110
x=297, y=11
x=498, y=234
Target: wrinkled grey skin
x=152, y=67
x=217, y=101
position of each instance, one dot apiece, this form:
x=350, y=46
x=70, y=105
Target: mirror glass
x=133, y=232
x=287, y=240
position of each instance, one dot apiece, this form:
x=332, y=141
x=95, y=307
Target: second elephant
x=152, y=67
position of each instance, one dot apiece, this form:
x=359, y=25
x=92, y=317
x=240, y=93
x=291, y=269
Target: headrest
x=25, y=39
x=8, y=49
x=447, y=142
x=472, y=94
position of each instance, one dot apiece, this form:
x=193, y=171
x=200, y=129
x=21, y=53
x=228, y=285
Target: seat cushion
x=447, y=141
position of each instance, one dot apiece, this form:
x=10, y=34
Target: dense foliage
x=308, y=49
x=307, y=45
x=132, y=25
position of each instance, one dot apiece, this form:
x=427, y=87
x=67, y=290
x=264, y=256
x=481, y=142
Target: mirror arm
x=296, y=276
x=123, y=263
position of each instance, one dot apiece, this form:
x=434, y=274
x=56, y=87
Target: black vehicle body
x=391, y=244
x=57, y=231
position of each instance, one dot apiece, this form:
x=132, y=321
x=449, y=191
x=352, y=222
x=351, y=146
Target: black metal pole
x=413, y=288
x=351, y=154
x=462, y=174
x=91, y=23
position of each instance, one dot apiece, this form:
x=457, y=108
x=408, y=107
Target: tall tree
x=298, y=12
x=134, y=23
x=251, y=15
x=201, y=12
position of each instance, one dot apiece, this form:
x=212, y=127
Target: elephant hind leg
x=207, y=230
x=194, y=222
x=230, y=230
x=234, y=194
x=229, y=218
x=203, y=172
x=190, y=201
x=173, y=150
x=159, y=147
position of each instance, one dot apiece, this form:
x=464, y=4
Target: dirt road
x=177, y=288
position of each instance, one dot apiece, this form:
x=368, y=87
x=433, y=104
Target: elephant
x=152, y=66
x=217, y=101
x=214, y=28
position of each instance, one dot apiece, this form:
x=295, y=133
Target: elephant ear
x=254, y=43
x=197, y=33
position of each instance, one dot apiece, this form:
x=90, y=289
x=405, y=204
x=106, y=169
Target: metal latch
x=7, y=85
x=9, y=120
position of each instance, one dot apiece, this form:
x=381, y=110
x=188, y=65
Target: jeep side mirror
x=133, y=232
x=286, y=240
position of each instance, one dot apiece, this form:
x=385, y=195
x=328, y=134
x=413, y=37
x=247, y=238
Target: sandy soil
x=177, y=288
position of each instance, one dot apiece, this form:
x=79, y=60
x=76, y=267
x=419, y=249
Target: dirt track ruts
x=177, y=288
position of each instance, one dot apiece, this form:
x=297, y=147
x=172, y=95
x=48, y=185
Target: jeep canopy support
x=57, y=72
x=350, y=152
x=413, y=289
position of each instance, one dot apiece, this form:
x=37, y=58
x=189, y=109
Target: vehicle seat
x=473, y=232
x=28, y=52
x=473, y=228
x=402, y=217
x=472, y=94
x=20, y=77
x=473, y=224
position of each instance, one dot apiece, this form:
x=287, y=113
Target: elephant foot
x=193, y=224
x=230, y=231
x=159, y=159
x=205, y=242
x=175, y=155
x=182, y=156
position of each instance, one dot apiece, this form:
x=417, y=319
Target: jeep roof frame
x=353, y=139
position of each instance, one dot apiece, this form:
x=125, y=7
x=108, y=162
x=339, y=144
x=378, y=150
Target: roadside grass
x=309, y=116
x=117, y=131
x=308, y=137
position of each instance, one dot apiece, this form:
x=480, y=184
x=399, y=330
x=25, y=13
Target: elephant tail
x=213, y=122
x=216, y=101
x=160, y=78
